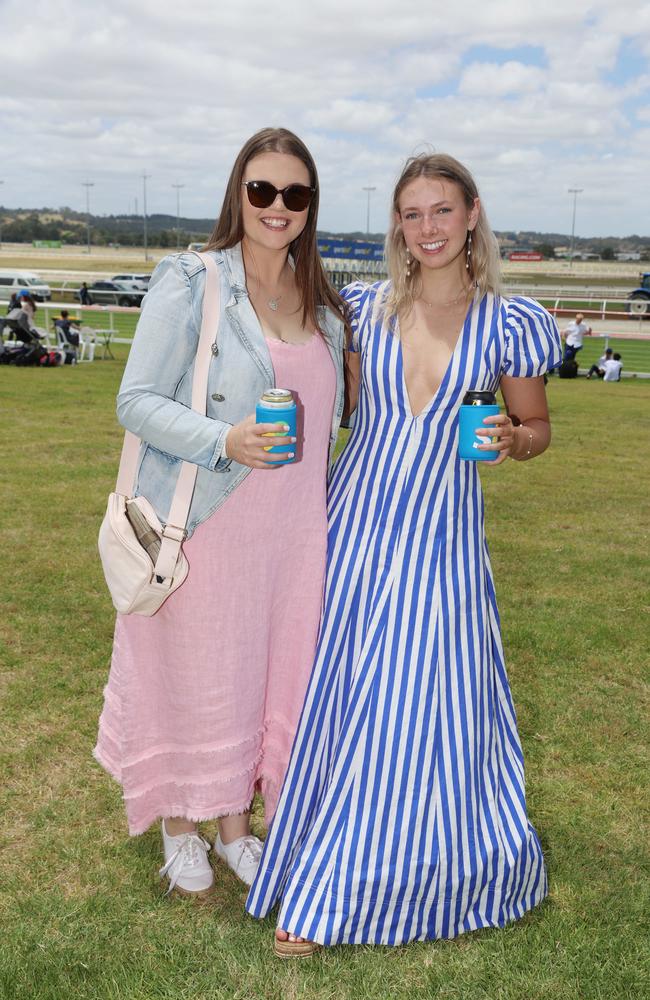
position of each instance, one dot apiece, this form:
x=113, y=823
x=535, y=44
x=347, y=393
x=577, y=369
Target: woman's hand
x=246, y=444
x=499, y=432
x=525, y=400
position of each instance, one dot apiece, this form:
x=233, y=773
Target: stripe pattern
x=403, y=813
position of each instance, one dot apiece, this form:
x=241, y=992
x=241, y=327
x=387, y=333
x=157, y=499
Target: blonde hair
x=484, y=270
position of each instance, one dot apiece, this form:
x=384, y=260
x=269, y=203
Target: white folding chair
x=86, y=343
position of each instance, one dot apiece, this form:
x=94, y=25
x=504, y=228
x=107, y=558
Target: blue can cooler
x=278, y=406
x=475, y=407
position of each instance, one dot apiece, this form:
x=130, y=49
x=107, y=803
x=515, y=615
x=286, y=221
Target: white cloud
x=352, y=116
x=106, y=91
x=500, y=80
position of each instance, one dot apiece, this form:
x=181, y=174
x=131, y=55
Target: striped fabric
x=403, y=812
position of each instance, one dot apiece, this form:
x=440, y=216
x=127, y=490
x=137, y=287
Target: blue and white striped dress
x=403, y=813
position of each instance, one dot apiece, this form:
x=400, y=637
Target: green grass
x=570, y=306
x=625, y=279
x=634, y=353
x=81, y=911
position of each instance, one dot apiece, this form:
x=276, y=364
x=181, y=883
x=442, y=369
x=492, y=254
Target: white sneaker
x=186, y=864
x=242, y=855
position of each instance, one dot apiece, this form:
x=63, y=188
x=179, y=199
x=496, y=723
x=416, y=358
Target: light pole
x=1, y=182
x=575, y=192
x=369, y=189
x=87, y=185
x=178, y=214
x=145, y=178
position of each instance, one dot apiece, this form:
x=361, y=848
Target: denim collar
x=234, y=264
x=234, y=261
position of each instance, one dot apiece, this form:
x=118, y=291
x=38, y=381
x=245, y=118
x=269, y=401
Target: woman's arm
x=352, y=370
x=162, y=353
x=524, y=431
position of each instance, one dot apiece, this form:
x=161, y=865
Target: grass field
x=82, y=914
x=635, y=353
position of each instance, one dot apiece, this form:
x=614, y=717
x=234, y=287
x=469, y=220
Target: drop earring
x=468, y=258
x=408, y=263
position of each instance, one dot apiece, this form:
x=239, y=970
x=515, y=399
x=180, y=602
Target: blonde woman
x=403, y=814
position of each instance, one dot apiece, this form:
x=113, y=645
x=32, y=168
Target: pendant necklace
x=272, y=303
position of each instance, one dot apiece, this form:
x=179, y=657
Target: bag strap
x=174, y=530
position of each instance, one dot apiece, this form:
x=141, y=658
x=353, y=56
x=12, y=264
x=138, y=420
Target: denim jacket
x=154, y=400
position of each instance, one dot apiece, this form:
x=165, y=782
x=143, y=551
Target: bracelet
x=530, y=442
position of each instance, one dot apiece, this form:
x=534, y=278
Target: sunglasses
x=261, y=194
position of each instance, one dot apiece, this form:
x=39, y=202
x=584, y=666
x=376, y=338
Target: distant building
x=628, y=255
x=564, y=253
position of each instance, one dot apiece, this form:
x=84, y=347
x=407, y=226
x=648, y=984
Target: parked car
x=14, y=281
x=114, y=293
x=195, y=246
x=138, y=281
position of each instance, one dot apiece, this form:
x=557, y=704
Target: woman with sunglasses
x=403, y=814
x=203, y=698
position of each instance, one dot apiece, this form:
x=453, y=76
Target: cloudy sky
x=535, y=97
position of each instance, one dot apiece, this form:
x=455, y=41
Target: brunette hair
x=313, y=284
x=484, y=269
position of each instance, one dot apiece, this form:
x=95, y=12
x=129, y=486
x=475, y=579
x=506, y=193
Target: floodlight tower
x=575, y=192
x=145, y=178
x=178, y=214
x=87, y=185
x=369, y=189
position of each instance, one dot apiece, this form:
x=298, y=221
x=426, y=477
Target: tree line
x=68, y=226
x=24, y=227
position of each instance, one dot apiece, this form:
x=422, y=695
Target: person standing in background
x=573, y=335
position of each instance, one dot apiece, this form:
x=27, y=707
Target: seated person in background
x=599, y=368
x=69, y=328
x=18, y=324
x=27, y=304
x=573, y=336
x=613, y=369
x=20, y=319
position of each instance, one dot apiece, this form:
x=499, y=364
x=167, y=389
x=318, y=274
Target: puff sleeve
x=353, y=295
x=532, y=339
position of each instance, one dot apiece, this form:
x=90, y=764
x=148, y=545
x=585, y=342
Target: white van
x=15, y=281
x=138, y=281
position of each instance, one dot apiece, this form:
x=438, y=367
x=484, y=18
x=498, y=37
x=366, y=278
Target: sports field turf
x=81, y=910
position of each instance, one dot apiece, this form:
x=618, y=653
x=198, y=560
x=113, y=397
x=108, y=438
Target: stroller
x=27, y=349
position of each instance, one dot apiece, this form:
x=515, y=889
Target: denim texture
x=154, y=400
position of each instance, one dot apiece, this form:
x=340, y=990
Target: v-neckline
x=429, y=404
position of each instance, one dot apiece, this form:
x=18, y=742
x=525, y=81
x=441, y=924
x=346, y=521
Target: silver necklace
x=465, y=290
x=272, y=303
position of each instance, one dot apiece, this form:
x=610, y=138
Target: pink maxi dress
x=203, y=700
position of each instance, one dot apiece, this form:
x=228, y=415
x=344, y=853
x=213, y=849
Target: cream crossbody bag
x=143, y=562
